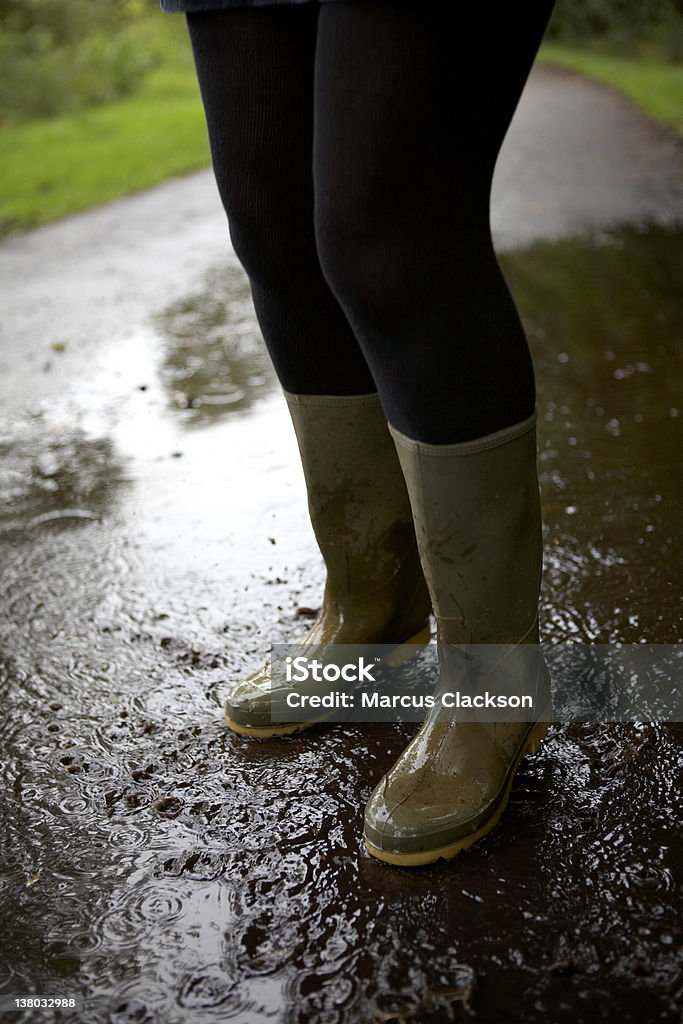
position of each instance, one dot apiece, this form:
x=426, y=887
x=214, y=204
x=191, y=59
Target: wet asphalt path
x=154, y=542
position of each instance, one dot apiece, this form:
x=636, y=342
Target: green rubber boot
x=478, y=524
x=375, y=590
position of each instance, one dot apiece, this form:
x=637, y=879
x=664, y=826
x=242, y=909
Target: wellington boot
x=375, y=590
x=477, y=518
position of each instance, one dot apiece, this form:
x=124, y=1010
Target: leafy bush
x=632, y=25
x=62, y=56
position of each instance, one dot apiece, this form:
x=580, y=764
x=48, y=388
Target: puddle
x=52, y=471
x=216, y=362
x=605, y=322
x=173, y=872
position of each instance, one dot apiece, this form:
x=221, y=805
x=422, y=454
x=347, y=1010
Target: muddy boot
x=477, y=517
x=375, y=590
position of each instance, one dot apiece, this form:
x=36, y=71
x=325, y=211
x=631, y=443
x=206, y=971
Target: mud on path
x=155, y=542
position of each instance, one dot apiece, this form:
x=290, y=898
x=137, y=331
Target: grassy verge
x=652, y=83
x=58, y=166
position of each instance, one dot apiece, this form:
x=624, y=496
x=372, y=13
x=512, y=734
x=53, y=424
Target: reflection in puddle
x=605, y=322
x=179, y=873
x=216, y=361
x=54, y=472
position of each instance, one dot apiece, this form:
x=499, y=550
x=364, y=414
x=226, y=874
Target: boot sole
x=416, y=860
x=397, y=656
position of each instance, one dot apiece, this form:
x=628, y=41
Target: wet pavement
x=155, y=542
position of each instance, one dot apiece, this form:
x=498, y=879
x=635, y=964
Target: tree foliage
x=579, y=20
x=67, y=55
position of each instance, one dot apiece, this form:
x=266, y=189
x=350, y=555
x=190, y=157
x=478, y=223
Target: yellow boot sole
x=397, y=656
x=416, y=860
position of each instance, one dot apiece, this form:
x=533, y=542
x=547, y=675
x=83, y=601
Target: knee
x=271, y=232
x=251, y=227
x=365, y=262
x=384, y=257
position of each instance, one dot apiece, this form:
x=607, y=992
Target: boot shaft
x=359, y=508
x=477, y=519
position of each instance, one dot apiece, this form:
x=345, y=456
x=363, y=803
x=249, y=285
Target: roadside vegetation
x=634, y=47
x=98, y=98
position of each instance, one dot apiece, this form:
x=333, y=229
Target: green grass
x=655, y=85
x=54, y=167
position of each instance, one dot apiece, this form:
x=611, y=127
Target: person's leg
x=411, y=107
x=255, y=70
x=410, y=113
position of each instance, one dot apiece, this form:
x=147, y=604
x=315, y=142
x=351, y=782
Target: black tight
x=354, y=147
